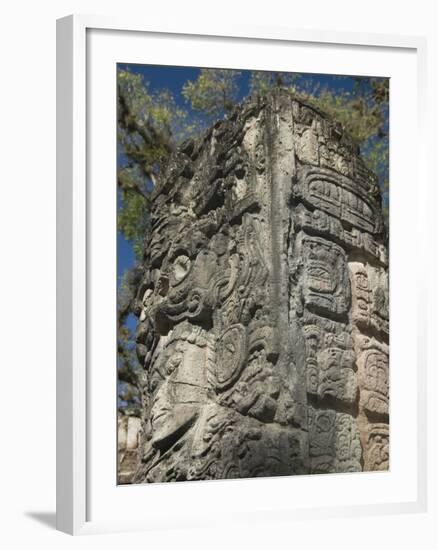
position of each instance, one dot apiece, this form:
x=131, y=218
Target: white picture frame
x=76, y=214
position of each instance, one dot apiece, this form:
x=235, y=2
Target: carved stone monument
x=263, y=310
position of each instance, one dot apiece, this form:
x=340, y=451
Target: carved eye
x=181, y=267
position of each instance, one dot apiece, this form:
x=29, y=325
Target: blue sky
x=172, y=78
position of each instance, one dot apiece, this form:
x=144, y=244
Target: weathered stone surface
x=128, y=439
x=263, y=312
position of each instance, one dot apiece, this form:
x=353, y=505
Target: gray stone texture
x=128, y=439
x=263, y=309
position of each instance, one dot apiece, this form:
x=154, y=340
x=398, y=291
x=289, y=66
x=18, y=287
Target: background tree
x=261, y=82
x=128, y=367
x=213, y=93
x=150, y=125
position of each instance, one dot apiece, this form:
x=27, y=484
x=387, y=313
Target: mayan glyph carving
x=263, y=320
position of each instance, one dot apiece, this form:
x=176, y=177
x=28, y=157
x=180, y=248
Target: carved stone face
x=189, y=287
x=178, y=399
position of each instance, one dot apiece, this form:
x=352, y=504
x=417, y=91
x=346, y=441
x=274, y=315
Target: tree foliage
x=128, y=372
x=150, y=125
x=214, y=92
x=261, y=82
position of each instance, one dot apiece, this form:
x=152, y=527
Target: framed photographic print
x=236, y=309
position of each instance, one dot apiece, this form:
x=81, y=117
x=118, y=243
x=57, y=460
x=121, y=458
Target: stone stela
x=263, y=310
